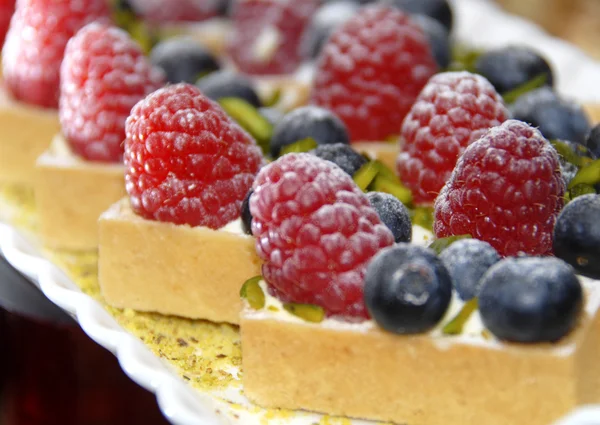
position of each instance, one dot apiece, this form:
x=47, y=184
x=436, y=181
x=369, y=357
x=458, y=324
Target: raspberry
x=186, y=161
x=453, y=110
x=316, y=232
x=103, y=75
x=371, y=70
x=267, y=34
x=7, y=7
x=176, y=11
x=506, y=190
x=36, y=42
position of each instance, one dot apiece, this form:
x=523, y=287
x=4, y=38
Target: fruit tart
x=459, y=332
x=31, y=59
x=103, y=75
x=176, y=244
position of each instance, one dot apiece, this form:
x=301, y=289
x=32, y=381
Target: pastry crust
x=194, y=272
x=71, y=194
x=26, y=132
x=365, y=372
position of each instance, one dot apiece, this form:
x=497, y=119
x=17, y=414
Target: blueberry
x=273, y=115
x=229, y=84
x=342, y=155
x=308, y=121
x=407, y=289
x=183, y=60
x=439, y=10
x=224, y=7
x=467, y=260
x=555, y=117
x=577, y=235
x=530, y=299
x=438, y=37
x=510, y=67
x=592, y=140
x=323, y=22
x=393, y=214
x=246, y=215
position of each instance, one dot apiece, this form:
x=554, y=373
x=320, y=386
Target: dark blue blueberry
x=556, y=118
x=229, y=84
x=342, y=155
x=245, y=213
x=393, y=214
x=323, y=22
x=577, y=235
x=224, y=7
x=273, y=115
x=510, y=67
x=467, y=260
x=530, y=299
x=407, y=289
x=593, y=140
x=439, y=10
x=183, y=60
x=308, y=121
x=438, y=37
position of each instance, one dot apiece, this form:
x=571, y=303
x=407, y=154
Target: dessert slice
x=31, y=58
x=103, y=75
x=176, y=246
x=448, y=341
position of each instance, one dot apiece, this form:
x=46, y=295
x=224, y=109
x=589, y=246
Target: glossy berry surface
x=393, y=214
x=506, y=190
x=266, y=35
x=530, y=300
x=323, y=22
x=555, y=117
x=453, y=111
x=466, y=261
x=577, y=235
x=438, y=37
x=439, y=10
x=183, y=60
x=592, y=140
x=510, y=67
x=407, y=289
x=95, y=101
x=308, y=121
x=186, y=161
x=371, y=70
x=222, y=84
x=35, y=44
x=341, y=155
x=316, y=232
x=246, y=215
x=7, y=7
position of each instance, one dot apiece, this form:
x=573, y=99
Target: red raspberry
x=103, y=75
x=7, y=7
x=176, y=10
x=506, y=189
x=267, y=33
x=316, y=232
x=371, y=70
x=453, y=110
x=186, y=161
x=36, y=42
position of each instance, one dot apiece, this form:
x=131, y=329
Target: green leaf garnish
x=589, y=174
x=441, y=244
x=383, y=184
x=366, y=174
x=456, y=325
x=536, y=82
x=304, y=145
x=250, y=119
x=253, y=293
x=309, y=312
x=422, y=216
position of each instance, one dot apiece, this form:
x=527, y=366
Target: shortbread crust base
x=193, y=272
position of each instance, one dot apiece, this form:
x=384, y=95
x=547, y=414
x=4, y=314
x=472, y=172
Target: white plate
x=479, y=23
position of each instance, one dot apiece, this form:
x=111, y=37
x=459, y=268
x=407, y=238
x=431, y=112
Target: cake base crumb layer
x=71, y=194
x=415, y=380
x=26, y=133
x=193, y=272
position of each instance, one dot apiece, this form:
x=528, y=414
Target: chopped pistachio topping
x=366, y=174
x=303, y=145
x=250, y=119
x=464, y=58
x=577, y=157
x=383, y=184
x=422, y=216
x=456, y=325
x=253, y=293
x=589, y=174
x=441, y=244
x=273, y=98
x=309, y=312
